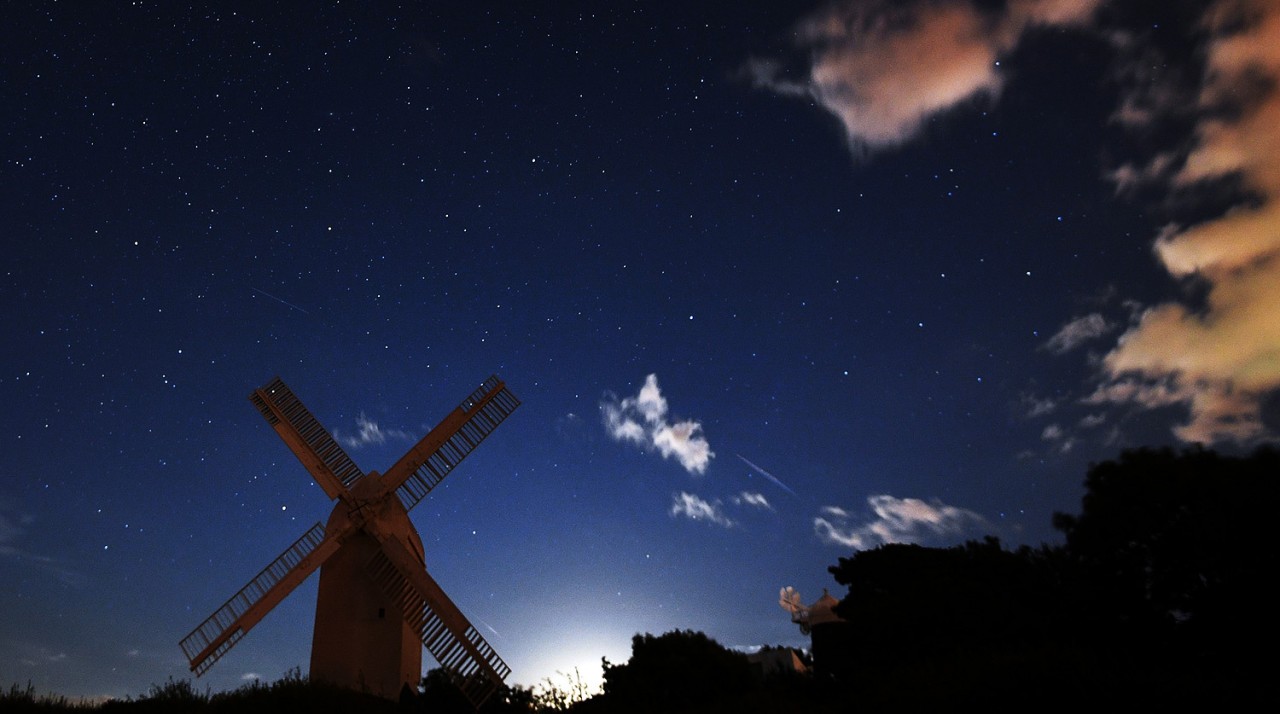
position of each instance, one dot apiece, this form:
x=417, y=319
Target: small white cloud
x=834, y=511
x=683, y=441
x=1038, y=406
x=622, y=428
x=1077, y=332
x=691, y=506
x=368, y=432
x=650, y=402
x=749, y=498
x=1062, y=440
x=894, y=520
x=642, y=420
x=1092, y=420
x=250, y=677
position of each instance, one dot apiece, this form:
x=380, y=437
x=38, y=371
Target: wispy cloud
x=1059, y=437
x=695, y=508
x=1038, y=406
x=1219, y=356
x=642, y=420
x=42, y=656
x=893, y=520
x=748, y=498
x=884, y=68
x=368, y=432
x=13, y=529
x=1091, y=420
x=1077, y=332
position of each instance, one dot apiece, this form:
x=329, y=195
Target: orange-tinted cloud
x=884, y=68
x=895, y=520
x=1222, y=358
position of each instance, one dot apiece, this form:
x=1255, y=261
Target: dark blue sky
x=774, y=282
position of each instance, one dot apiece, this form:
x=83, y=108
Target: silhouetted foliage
x=678, y=671
x=20, y=700
x=1172, y=554
x=975, y=595
x=686, y=671
x=1146, y=603
x=292, y=694
x=973, y=623
x=1150, y=603
x=1169, y=538
x=550, y=696
x=439, y=695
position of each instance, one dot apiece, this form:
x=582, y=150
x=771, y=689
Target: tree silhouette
x=1169, y=538
x=973, y=623
x=1173, y=553
x=1162, y=577
x=680, y=670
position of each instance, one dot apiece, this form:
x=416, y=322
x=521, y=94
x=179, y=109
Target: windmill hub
x=376, y=607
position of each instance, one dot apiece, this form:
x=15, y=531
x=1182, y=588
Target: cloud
x=642, y=420
x=682, y=441
x=895, y=520
x=250, y=677
x=43, y=655
x=1077, y=332
x=368, y=432
x=748, y=498
x=1091, y=420
x=692, y=507
x=1063, y=441
x=1129, y=177
x=9, y=532
x=1220, y=357
x=884, y=68
x=1038, y=406
x=12, y=530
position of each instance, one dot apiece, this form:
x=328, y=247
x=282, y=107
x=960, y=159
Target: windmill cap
x=824, y=610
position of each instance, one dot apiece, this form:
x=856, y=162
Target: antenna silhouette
x=377, y=606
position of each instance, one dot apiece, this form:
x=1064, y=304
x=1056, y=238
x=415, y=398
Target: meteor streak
x=282, y=302
x=766, y=474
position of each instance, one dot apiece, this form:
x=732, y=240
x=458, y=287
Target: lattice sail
x=207, y=643
x=454, y=642
x=451, y=441
x=307, y=437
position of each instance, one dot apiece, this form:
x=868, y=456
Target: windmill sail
x=223, y=629
x=352, y=579
x=307, y=438
x=428, y=462
x=447, y=634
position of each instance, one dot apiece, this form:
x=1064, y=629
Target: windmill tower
x=829, y=634
x=376, y=606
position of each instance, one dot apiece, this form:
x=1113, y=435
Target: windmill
x=376, y=606
x=789, y=600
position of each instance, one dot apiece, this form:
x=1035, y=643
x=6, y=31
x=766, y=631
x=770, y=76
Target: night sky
x=774, y=282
